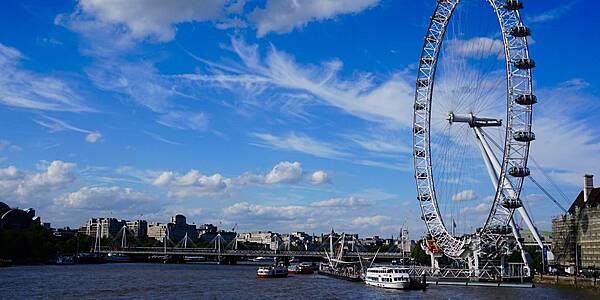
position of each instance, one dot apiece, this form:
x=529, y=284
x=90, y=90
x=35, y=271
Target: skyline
x=230, y=113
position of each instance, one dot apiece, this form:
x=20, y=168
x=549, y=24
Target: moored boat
x=194, y=259
x=4, y=263
x=263, y=259
x=65, y=260
x=89, y=258
x=116, y=257
x=393, y=278
x=278, y=271
x=292, y=268
x=304, y=268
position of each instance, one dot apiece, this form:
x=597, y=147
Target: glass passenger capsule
x=520, y=31
x=524, y=63
x=518, y=171
x=526, y=99
x=524, y=136
x=512, y=203
x=513, y=5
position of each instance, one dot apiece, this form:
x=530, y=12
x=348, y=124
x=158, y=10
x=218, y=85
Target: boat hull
x=390, y=285
x=272, y=275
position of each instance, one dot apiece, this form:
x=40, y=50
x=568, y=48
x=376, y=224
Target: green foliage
x=419, y=255
x=33, y=244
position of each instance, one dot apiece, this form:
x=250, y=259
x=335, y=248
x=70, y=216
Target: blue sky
x=281, y=115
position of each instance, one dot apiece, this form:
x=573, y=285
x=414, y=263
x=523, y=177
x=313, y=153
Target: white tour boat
x=388, y=277
x=275, y=271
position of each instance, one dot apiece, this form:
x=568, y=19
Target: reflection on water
x=204, y=281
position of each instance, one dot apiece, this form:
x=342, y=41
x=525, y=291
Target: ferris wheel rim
x=515, y=153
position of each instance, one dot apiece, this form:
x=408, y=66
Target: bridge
x=212, y=252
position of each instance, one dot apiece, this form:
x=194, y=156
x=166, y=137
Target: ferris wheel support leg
x=493, y=168
x=522, y=211
x=473, y=261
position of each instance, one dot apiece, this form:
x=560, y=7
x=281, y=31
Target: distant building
x=297, y=240
x=262, y=238
x=577, y=233
x=139, y=228
x=109, y=227
x=14, y=218
x=64, y=233
x=157, y=230
x=174, y=230
x=206, y=228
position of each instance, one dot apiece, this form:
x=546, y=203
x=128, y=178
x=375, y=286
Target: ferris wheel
x=472, y=127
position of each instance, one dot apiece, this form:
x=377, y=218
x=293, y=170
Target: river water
x=209, y=281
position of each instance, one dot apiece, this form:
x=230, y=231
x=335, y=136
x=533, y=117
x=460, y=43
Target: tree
x=419, y=255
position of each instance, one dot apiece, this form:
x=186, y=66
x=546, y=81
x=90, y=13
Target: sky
x=289, y=115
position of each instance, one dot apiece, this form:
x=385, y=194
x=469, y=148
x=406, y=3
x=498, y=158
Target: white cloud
x=8, y=145
x=56, y=125
x=285, y=172
x=389, y=102
x=477, y=47
x=320, y=177
x=162, y=139
x=283, y=16
x=300, y=143
x=103, y=198
x=192, y=184
x=148, y=18
x=25, y=89
x=184, y=120
x=554, y=13
x=139, y=81
x=163, y=179
x=466, y=195
x=575, y=83
x=24, y=186
x=196, y=184
x=380, y=144
x=562, y=131
x=478, y=209
x=93, y=137
x=342, y=202
x=370, y=221
x=245, y=209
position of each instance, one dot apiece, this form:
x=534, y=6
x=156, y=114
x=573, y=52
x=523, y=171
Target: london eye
x=472, y=127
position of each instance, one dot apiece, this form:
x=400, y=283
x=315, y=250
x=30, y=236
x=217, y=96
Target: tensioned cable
x=536, y=183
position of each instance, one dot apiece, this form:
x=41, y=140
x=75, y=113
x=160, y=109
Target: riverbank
x=567, y=281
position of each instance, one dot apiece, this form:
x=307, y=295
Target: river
x=209, y=281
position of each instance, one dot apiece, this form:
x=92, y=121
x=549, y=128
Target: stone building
x=139, y=228
x=175, y=230
x=109, y=227
x=577, y=233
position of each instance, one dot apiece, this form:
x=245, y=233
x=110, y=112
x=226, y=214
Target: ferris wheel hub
x=473, y=120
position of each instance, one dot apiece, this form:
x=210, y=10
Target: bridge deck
x=246, y=253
